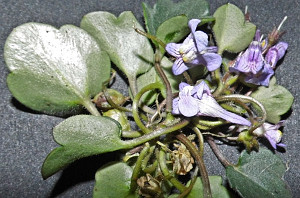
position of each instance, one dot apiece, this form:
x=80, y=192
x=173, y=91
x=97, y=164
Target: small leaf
x=258, y=174
x=128, y=50
x=231, y=31
x=113, y=181
x=81, y=136
x=217, y=189
x=166, y=9
x=276, y=99
x=54, y=70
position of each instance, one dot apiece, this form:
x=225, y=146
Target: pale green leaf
x=54, y=70
x=82, y=136
x=231, y=31
x=113, y=181
x=276, y=99
x=128, y=50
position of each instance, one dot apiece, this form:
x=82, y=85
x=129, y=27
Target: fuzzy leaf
x=128, y=50
x=54, y=70
x=258, y=174
x=231, y=31
x=276, y=99
x=166, y=9
x=81, y=136
x=113, y=181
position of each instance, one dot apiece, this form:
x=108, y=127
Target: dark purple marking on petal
x=179, y=67
x=173, y=49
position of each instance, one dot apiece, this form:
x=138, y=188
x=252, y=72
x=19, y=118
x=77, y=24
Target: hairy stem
x=87, y=103
x=217, y=152
x=199, y=160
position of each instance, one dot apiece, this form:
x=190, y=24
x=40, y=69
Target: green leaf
x=128, y=50
x=231, y=31
x=276, y=99
x=258, y=174
x=113, y=181
x=217, y=189
x=82, y=136
x=166, y=9
x=173, y=30
x=54, y=70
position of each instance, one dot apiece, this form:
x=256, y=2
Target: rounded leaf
x=54, y=70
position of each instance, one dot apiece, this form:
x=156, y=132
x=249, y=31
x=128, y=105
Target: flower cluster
x=198, y=101
x=257, y=68
x=194, y=51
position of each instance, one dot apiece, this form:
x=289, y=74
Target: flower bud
x=120, y=117
x=101, y=101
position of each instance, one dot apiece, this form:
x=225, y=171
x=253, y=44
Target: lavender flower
x=273, y=134
x=257, y=69
x=194, y=51
x=198, y=100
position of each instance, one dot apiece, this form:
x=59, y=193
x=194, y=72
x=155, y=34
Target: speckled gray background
x=26, y=136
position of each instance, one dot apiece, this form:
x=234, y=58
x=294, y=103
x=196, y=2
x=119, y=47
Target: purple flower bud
x=193, y=51
x=275, y=53
x=273, y=134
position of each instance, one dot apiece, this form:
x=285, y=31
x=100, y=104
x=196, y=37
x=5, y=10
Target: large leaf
x=231, y=31
x=82, y=136
x=166, y=9
x=113, y=181
x=276, y=99
x=130, y=51
x=54, y=70
x=258, y=174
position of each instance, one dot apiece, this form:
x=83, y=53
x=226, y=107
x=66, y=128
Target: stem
x=164, y=169
x=138, y=167
x=155, y=134
x=90, y=107
x=150, y=36
x=187, y=78
x=133, y=85
x=217, y=152
x=238, y=97
x=131, y=134
x=135, y=104
x=199, y=160
x=165, y=80
x=217, y=77
x=201, y=141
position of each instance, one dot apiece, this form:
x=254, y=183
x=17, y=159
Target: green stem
x=136, y=102
x=154, y=134
x=217, y=77
x=238, y=97
x=87, y=103
x=150, y=36
x=164, y=169
x=138, y=167
x=131, y=134
x=201, y=141
x=199, y=160
x=165, y=80
x=187, y=78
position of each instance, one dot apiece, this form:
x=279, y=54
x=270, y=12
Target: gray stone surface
x=26, y=136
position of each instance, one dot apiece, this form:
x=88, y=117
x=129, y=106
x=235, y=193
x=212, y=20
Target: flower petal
x=213, y=61
x=208, y=106
x=188, y=106
x=182, y=85
x=179, y=67
x=200, y=89
x=193, y=23
x=173, y=49
x=262, y=78
x=201, y=40
x=175, y=109
x=275, y=53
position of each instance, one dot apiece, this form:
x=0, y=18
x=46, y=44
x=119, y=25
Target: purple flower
x=198, y=101
x=257, y=68
x=273, y=134
x=194, y=51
